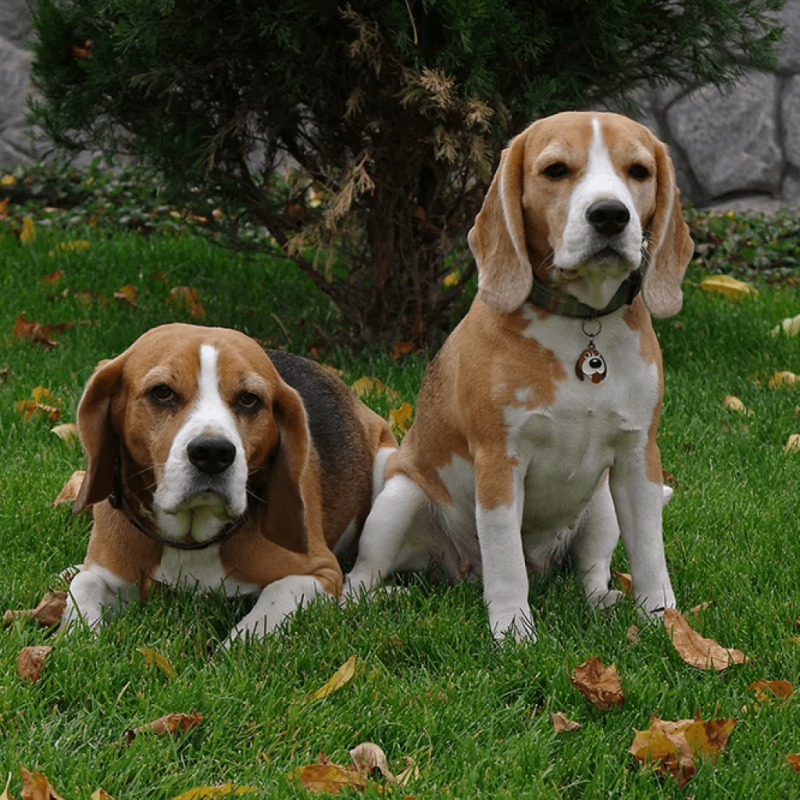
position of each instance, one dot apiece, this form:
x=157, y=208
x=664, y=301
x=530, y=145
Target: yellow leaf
x=401, y=418
x=783, y=378
x=625, y=582
x=340, y=678
x=199, y=792
x=327, y=778
x=364, y=387
x=735, y=404
x=793, y=443
x=101, y=794
x=8, y=180
x=728, y=286
x=451, y=279
x=28, y=230
x=790, y=326
x=154, y=658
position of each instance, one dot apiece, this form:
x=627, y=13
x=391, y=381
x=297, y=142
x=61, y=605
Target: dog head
x=582, y=199
x=196, y=431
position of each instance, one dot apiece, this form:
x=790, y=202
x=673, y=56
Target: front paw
x=516, y=623
x=606, y=599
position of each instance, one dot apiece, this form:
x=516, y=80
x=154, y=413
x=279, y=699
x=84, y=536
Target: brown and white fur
x=513, y=461
x=262, y=467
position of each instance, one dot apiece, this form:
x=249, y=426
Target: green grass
x=430, y=682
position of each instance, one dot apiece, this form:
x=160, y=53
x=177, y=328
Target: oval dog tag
x=591, y=365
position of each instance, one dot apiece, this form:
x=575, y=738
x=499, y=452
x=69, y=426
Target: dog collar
x=119, y=500
x=565, y=305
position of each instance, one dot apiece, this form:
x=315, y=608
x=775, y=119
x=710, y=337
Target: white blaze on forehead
x=210, y=406
x=601, y=179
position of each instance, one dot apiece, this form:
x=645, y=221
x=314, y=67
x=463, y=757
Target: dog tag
x=591, y=365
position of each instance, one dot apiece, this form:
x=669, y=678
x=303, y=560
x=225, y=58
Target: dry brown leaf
x=168, y=724
x=696, y=650
x=792, y=443
x=127, y=294
x=794, y=760
x=69, y=491
x=767, y=690
x=37, y=332
x=340, y=678
x=782, y=378
x=562, y=724
x=402, y=349
x=633, y=634
x=189, y=299
x=327, y=778
x=36, y=786
x=225, y=789
x=368, y=757
x=410, y=771
x=68, y=431
x=47, y=613
x=6, y=795
x=101, y=794
x=41, y=403
x=31, y=660
x=735, y=404
x=625, y=582
x=673, y=746
x=600, y=685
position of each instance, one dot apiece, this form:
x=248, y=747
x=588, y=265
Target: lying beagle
x=535, y=431
x=214, y=465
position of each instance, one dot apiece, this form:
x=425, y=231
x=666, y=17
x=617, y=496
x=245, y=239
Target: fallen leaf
x=633, y=634
x=411, y=771
x=696, y=650
x=31, y=660
x=401, y=418
x=37, y=332
x=600, y=685
x=36, y=786
x=792, y=443
x=402, y=349
x=782, y=378
x=53, y=278
x=766, y=690
x=42, y=403
x=340, y=678
x=364, y=387
x=561, y=724
x=189, y=299
x=673, y=746
x=101, y=794
x=152, y=658
x=794, y=760
x=327, y=778
x=28, y=230
x=728, y=286
x=199, y=792
x=47, y=613
x=790, y=326
x=69, y=491
x=6, y=795
x=127, y=294
x=625, y=582
x=168, y=724
x=67, y=431
x=368, y=757
x=735, y=404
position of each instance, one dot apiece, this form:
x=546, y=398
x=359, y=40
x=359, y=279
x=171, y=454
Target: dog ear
x=285, y=522
x=97, y=437
x=670, y=247
x=497, y=239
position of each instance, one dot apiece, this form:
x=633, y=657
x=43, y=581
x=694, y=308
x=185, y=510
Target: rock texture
x=739, y=149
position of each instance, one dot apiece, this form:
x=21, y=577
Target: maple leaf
x=694, y=649
x=168, y=724
x=42, y=403
x=673, y=747
x=369, y=757
x=37, y=332
x=364, y=387
x=766, y=690
x=600, y=685
x=327, y=778
x=342, y=676
x=127, y=294
x=31, y=660
x=187, y=298
x=401, y=418
x=223, y=790
x=69, y=491
x=794, y=760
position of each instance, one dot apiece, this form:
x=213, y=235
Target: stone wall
x=740, y=149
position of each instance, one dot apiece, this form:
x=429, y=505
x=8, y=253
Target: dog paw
x=606, y=599
x=517, y=625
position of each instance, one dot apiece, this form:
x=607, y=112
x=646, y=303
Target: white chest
x=200, y=569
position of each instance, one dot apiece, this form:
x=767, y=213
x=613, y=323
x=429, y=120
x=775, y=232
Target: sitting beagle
x=535, y=431
x=214, y=465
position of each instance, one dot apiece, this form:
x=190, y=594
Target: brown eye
x=248, y=401
x=556, y=170
x=639, y=172
x=162, y=395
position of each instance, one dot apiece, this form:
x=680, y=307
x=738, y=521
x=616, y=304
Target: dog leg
x=383, y=542
x=275, y=603
x=505, y=577
x=638, y=503
x=93, y=590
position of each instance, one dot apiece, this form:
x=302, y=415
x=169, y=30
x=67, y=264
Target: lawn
x=430, y=684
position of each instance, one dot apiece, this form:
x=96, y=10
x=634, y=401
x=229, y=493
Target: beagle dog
x=535, y=430
x=212, y=464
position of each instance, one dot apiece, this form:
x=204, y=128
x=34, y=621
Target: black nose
x=595, y=363
x=211, y=454
x=608, y=217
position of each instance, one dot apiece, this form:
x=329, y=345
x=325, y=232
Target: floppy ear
x=497, y=239
x=98, y=439
x=670, y=247
x=285, y=522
